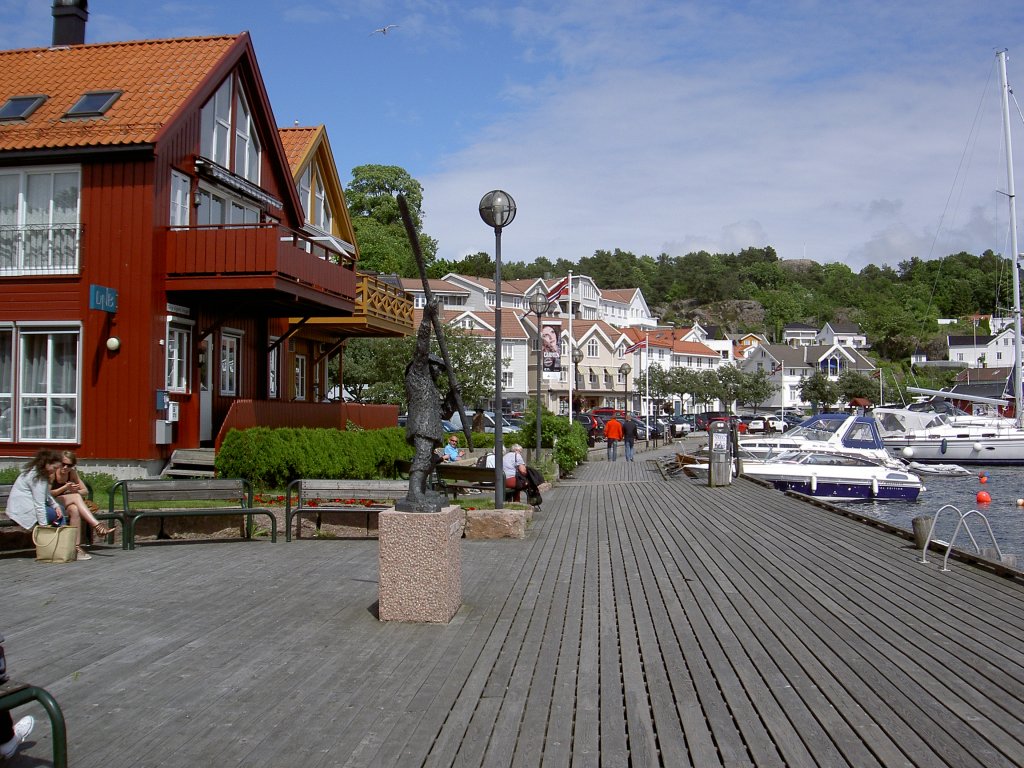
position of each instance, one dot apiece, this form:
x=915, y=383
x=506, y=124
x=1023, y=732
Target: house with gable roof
x=842, y=333
x=154, y=250
x=787, y=366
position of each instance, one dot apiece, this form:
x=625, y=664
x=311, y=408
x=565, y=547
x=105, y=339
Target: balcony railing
x=39, y=249
x=259, y=250
x=380, y=300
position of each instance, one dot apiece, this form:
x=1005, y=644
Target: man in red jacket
x=612, y=435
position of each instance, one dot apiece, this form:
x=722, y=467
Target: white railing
x=40, y=249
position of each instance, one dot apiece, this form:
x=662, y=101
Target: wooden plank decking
x=642, y=622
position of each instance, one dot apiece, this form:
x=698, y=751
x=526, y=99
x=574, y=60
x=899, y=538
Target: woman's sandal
x=102, y=530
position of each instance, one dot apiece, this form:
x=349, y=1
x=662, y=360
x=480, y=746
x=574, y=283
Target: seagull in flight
x=383, y=30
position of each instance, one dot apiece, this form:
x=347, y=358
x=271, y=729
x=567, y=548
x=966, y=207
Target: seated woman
x=515, y=469
x=30, y=502
x=68, y=489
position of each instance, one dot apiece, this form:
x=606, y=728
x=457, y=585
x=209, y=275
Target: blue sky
x=862, y=132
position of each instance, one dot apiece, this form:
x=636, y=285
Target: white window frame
x=304, y=186
x=181, y=194
x=322, y=215
x=247, y=142
x=300, y=377
x=219, y=208
x=178, y=360
x=33, y=254
x=273, y=365
x=50, y=398
x=215, y=124
x=7, y=378
x=593, y=350
x=508, y=380
x=230, y=362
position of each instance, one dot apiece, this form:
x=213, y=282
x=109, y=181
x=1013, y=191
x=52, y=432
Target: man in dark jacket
x=629, y=435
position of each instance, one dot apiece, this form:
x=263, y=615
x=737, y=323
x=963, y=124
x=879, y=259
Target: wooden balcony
x=270, y=270
x=381, y=309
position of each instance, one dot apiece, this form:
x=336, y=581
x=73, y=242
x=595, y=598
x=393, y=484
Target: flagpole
x=572, y=344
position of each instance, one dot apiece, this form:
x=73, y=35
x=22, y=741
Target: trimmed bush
x=272, y=458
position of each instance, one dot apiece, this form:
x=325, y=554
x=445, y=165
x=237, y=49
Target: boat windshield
x=815, y=429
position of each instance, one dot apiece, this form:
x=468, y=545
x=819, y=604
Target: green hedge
x=272, y=458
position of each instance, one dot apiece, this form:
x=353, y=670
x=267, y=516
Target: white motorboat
x=829, y=432
x=933, y=437
x=836, y=476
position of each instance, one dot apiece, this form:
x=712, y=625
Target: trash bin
x=720, y=450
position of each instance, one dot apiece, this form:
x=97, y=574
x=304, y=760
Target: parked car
x=765, y=424
x=456, y=420
x=701, y=420
x=590, y=423
x=731, y=419
x=682, y=424
x=656, y=431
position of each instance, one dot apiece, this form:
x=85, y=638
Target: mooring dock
x=642, y=622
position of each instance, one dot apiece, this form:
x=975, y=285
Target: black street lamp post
x=539, y=305
x=625, y=369
x=497, y=209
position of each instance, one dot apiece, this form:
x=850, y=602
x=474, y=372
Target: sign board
x=102, y=298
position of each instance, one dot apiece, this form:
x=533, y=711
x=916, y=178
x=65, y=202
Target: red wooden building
x=156, y=268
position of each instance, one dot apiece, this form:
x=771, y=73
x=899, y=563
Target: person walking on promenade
x=612, y=435
x=629, y=435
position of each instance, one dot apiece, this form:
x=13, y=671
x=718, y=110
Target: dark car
x=731, y=420
x=590, y=423
x=701, y=420
x=656, y=431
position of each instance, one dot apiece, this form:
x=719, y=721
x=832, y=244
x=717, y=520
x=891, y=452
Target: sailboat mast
x=1011, y=195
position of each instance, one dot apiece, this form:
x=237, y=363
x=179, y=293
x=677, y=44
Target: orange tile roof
x=156, y=77
x=296, y=142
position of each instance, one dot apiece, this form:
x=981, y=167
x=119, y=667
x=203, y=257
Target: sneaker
x=22, y=729
x=82, y=554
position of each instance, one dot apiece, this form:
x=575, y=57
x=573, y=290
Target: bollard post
x=922, y=525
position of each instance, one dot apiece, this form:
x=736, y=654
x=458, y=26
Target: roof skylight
x=93, y=104
x=20, y=107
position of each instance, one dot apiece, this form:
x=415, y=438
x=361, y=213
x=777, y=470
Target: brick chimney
x=69, y=18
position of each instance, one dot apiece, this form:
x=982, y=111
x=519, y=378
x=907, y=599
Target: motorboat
x=857, y=435
x=926, y=437
x=836, y=476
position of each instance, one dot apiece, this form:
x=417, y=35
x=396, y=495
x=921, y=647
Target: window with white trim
x=592, y=348
x=273, y=360
x=508, y=380
x=217, y=208
x=322, y=217
x=247, y=143
x=181, y=187
x=230, y=363
x=300, y=377
x=179, y=356
x=48, y=385
x=215, y=124
x=6, y=383
x=305, y=188
x=39, y=228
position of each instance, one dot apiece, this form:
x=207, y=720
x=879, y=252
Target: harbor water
x=1004, y=484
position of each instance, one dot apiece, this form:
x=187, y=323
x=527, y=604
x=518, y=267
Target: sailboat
x=938, y=438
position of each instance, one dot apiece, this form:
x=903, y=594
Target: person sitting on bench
x=515, y=470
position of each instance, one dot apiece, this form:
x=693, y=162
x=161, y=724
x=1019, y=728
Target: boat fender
x=908, y=452
x=977, y=446
x=943, y=446
x=814, y=483
x=874, y=486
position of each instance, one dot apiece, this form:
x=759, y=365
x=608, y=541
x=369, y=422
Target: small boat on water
x=836, y=476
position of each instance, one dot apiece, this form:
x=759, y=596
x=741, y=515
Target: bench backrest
x=482, y=475
x=5, y=492
x=218, y=489
x=360, y=489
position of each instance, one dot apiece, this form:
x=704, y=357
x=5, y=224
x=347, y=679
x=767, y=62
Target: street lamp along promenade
x=625, y=370
x=497, y=209
x=539, y=305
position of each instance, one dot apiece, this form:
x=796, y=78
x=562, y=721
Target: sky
x=854, y=132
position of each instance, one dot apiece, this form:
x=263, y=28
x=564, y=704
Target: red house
x=156, y=269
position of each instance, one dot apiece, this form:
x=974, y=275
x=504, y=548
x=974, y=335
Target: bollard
x=922, y=525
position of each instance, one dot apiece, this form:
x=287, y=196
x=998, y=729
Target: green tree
x=373, y=206
x=755, y=388
x=818, y=390
x=853, y=384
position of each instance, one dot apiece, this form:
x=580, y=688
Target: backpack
x=481, y=463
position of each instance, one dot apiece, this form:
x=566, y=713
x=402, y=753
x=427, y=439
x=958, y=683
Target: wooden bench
x=341, y=497
x=461, y=478
x=6, y=522
x=138, y=491
x=14, y=694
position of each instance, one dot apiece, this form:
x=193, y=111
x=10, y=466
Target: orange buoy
x=983, y=479
x=983, y=497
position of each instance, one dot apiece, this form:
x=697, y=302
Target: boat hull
x=842, y=490
x=1003, y=450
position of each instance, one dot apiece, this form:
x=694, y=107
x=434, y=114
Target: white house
x=843, y=334
x=787, y=367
